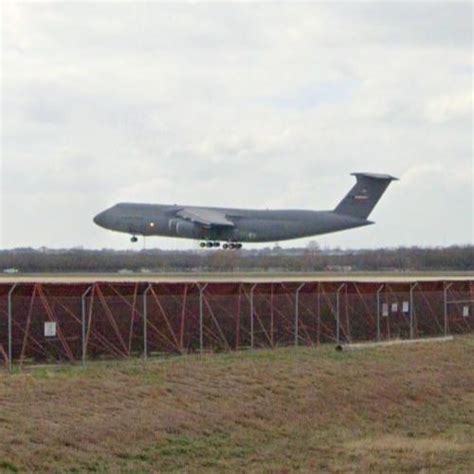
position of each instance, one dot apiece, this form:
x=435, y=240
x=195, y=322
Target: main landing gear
x=209, y=244
x=228, y=245
x=232, y=246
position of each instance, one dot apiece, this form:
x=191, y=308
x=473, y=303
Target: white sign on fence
x=50, y=329
x=406, y=307
x=385, y=309
x=394, y=307
x=465, y=311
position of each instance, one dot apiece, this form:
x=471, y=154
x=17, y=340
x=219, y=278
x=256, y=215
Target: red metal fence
x=75, y=322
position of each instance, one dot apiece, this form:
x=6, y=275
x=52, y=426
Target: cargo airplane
x=231, y=227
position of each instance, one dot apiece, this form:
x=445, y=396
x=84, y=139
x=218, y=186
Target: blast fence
x=57, y=322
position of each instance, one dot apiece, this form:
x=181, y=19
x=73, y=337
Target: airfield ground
x=398, y=409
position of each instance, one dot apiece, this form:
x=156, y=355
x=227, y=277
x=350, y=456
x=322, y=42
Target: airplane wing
x=205, y=217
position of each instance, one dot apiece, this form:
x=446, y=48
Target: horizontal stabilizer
x=366, y=193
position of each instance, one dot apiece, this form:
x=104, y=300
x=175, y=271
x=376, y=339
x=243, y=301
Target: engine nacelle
x=172, y=226
x=182, y=228
x=187, y=229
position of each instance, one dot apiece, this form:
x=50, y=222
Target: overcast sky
x=258, y=105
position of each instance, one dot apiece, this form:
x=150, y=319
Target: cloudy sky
x=258, y=105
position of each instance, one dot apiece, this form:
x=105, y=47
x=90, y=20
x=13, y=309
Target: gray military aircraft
x=213, y=225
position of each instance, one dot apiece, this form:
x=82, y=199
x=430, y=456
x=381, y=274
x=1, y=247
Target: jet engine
x=172, y=225
x=183, y=228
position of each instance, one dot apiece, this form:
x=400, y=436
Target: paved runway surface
x=257, y=277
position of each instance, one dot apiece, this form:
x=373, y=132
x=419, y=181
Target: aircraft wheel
x=225, y=246
x=216, y=244
x=238, y=246
x=202, y=244
x=208, y=245
x=134, y=239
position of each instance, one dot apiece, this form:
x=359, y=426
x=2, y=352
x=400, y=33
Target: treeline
x=454, y=258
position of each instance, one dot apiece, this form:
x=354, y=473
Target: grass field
x=398, y=409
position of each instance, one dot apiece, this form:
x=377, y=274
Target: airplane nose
x=100, y=219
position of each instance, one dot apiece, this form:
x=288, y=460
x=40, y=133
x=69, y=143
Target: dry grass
x=399, y=409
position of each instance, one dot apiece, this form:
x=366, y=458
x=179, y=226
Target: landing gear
x=214, y=244
x=209, y=244
x=232, y=245
x=134, y=239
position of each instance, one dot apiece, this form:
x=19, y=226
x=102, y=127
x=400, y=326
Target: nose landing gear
x=134, y=239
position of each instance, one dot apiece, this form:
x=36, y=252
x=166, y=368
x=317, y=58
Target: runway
x=237, y=277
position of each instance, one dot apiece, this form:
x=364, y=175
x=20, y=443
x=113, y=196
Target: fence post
x=83, y=325
x=446, y=287
x=378, y=310
x=252, y=316
x=338, y=318
x=297, y=315
x=412, y=310
x=318, y=308
x=201, y=317
x=10, y=326
x=145, y=322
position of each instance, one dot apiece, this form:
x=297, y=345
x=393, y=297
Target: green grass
x=395, y=409
x=6, y=466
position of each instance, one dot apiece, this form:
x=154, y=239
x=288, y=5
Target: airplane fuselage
x=249, y=225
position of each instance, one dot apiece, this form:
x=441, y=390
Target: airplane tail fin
x=366, y=193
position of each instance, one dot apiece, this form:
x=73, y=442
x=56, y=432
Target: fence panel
x=4, y=289
x=460, y=307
